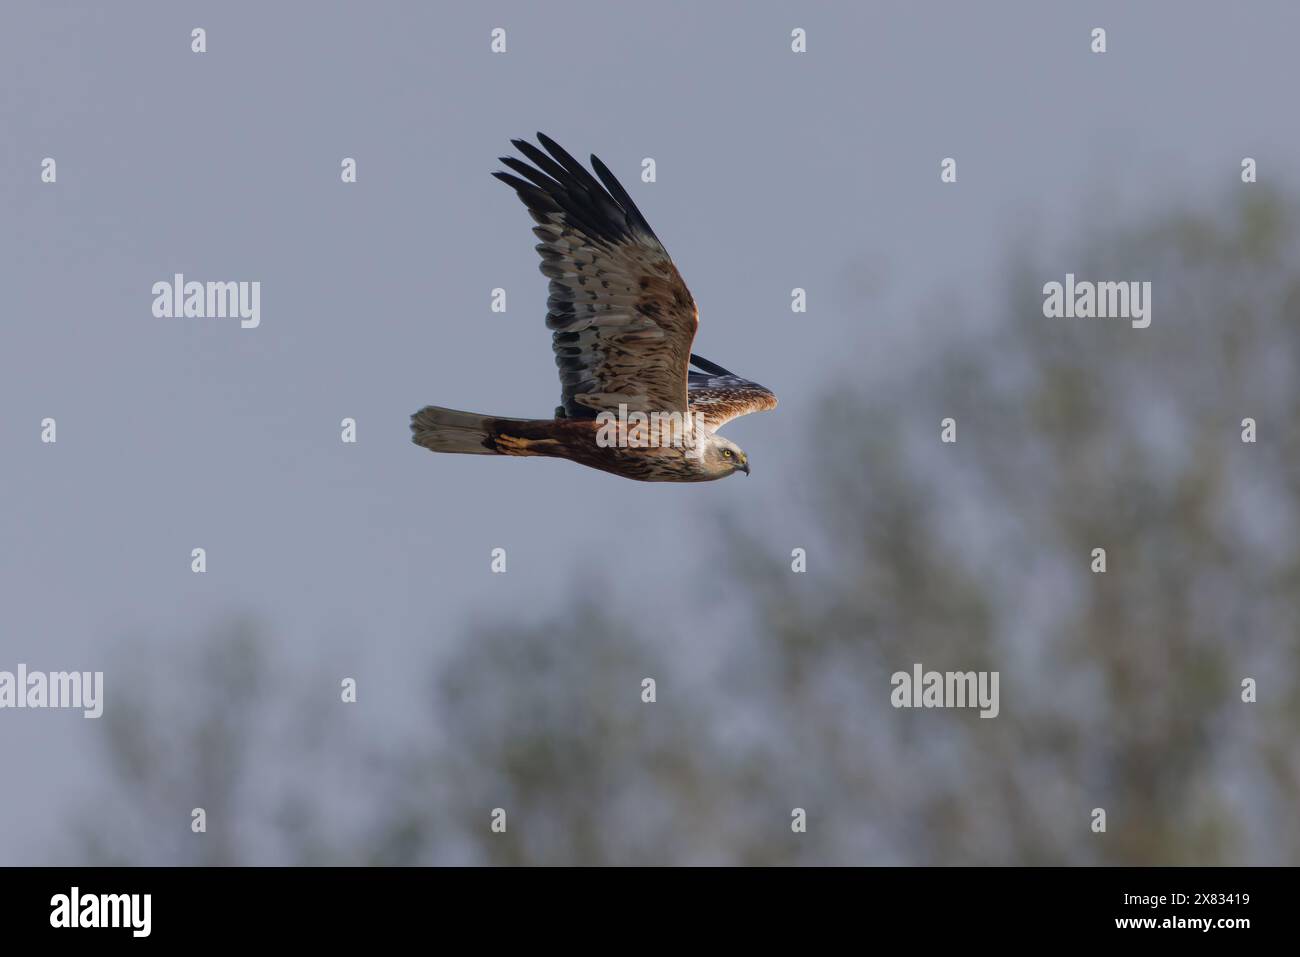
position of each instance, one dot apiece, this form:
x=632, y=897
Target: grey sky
x=774, y=171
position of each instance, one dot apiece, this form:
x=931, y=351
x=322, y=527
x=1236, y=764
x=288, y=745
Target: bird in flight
x=622, y=323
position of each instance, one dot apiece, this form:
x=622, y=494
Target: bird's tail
x=448, y=430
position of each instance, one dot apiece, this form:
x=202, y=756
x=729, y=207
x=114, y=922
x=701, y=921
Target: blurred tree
x=199, y=725
x=1119, y=690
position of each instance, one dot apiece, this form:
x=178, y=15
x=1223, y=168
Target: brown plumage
x=622, y=324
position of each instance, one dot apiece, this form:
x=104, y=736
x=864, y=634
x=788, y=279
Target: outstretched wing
x=622, y=317
x=722, y=396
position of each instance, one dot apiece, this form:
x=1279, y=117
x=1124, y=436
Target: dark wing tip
x=710, y=367
x=598, y=204
x=621, y=196
x=533, y=197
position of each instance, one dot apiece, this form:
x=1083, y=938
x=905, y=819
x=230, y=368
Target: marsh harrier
x=623, y=322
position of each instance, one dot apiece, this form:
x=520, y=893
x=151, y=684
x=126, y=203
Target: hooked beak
x=744, y=466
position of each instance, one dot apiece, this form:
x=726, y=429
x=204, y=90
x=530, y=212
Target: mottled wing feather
x=721, y=398
x=621, y=316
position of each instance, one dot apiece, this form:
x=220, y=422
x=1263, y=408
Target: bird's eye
x=726, y=453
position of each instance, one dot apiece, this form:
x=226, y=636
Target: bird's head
x=722, y=457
